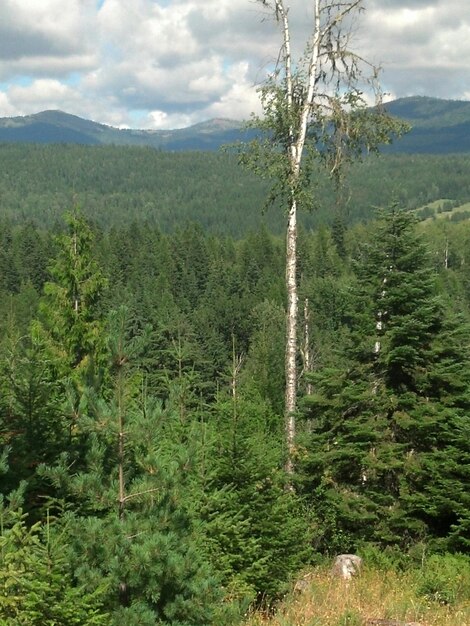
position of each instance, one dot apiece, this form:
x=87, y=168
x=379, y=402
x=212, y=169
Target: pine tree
x=131, y=528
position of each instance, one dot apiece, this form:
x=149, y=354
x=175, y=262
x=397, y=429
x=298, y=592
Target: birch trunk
x=297, y=134
x=306, y=356
x=318, y=92
x=291, y=335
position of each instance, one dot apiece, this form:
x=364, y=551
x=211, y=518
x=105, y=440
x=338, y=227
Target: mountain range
x=438, y=127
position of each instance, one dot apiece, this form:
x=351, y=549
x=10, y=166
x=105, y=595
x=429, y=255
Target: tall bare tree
x=315, y=114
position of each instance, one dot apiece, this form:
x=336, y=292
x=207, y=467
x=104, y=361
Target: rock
x=346, y=566
x=304, y=583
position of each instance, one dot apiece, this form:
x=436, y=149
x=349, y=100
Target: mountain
x=59, y=127
x=438, y=127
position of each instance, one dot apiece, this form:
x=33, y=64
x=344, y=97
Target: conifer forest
x=141, y=403
x=222, y=371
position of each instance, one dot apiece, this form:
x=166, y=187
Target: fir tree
x=253, y=527
x=387, y=455
x=70, y=316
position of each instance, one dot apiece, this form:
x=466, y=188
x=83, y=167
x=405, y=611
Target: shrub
x=445, y=578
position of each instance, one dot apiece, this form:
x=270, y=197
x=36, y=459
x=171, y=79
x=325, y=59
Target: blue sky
x=171, y=63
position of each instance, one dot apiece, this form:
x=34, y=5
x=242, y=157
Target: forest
x=117, y=185
x=142, y=377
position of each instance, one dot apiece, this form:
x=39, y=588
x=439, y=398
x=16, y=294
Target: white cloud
x=43, y=91
x=7, y=109
x=38, y=37
x=168, y=63
x=240, y=100
x=423, y=46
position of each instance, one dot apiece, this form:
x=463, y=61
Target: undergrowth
x=435, y=594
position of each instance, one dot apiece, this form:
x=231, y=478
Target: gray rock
x=346, y=566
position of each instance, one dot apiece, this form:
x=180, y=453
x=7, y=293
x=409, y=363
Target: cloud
x=44, y=94
x=40, y=36
x=172, y=62
x=423, y=46
x=7, y=108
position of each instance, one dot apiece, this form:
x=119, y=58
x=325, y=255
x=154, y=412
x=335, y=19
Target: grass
x=373, y=595
x=436, y=207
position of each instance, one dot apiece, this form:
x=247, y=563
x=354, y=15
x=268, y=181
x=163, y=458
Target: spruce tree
x=70, y=315
x=253, y=526
x=37, y=585
x=387, y=455
x=33, y=423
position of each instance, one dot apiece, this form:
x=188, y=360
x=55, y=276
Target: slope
x=438, y=127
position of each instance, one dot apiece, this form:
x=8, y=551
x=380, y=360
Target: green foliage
x=116, y=186
x=350, y=618
x=390, y=558
x=36, y=580
x=131, y=527
x=256, y=534
x=33, y=423
x=387, y=459
x=191, y=373
x=315, y=119
x=69, y=309
x=445, y=579
x=264, y=369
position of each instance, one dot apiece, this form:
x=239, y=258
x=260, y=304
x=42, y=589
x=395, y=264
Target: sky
x=159, y=64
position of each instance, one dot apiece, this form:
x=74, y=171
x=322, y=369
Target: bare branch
x=317, y=101
x=138, y=494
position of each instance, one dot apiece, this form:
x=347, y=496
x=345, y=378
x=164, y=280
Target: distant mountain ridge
x=438, y=127
x=59, y=127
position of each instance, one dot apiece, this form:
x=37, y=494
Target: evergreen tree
x=31, y=256
x=69, y=310
x=253, y=526
x=32, y=421
x=132, y=528
x=396, y=412
x=36, y=580
x=37, y=583
x=264, y=370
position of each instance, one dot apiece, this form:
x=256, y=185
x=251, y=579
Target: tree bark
x=297, y=135
x=291, y=335
x=318, y=91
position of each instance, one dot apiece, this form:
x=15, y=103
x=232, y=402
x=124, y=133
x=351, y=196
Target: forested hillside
x=141, y=405
x=120, y=185
x=437, y=127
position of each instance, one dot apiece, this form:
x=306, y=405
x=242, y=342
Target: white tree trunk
x=306, y=355
x=310, y=90
x=291, y=334
x=295, y=159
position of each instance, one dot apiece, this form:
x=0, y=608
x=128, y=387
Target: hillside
x=438, y=127
x=59, y=127
x=123, y=184
x=379, y=597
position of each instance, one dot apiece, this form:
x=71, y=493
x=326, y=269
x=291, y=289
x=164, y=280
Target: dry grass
x=374, y=595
